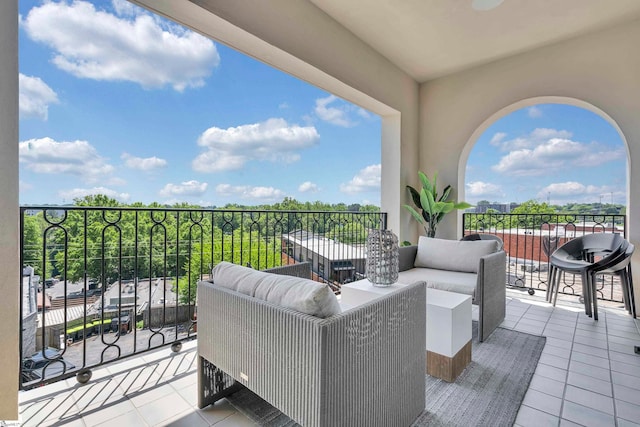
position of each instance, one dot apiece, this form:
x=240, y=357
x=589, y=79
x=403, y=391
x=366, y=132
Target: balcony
x=138, y=380
x=420, y=112
x=587, y=374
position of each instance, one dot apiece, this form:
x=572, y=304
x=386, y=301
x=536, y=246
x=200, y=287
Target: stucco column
x=9, y=222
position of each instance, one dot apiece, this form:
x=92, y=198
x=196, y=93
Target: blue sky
x=549, y=152
x=117, y=101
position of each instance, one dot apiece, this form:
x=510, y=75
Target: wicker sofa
x=476, y=268
x=362, y=367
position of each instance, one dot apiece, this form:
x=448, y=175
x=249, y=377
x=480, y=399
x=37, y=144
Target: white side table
x=448, y=324
x=448, y=333
x=362, y=291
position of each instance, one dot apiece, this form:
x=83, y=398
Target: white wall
x=601, y=70
x=298, y=38
x=10, y=271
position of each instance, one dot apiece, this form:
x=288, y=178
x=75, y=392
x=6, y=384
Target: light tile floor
x=587, y=375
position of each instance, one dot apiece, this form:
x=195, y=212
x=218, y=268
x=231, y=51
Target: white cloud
x=536, y=137
x=35, y=97
x=249, y=192
x=338, y=116
x=308, y=187
x=497, y=138
x=146, y=164
x=367, y=179
x=554, y=155
x=134, y=46
x=562, y=192
x=187, y=188
x=80, y=193
x=364, y=113
x=125, y=8
x=534, y=112
x=484, y=189
x=78, y=158
x=273, y=140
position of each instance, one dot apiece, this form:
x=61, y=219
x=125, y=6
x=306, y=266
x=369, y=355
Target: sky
x=117, y=101
x=553, y=153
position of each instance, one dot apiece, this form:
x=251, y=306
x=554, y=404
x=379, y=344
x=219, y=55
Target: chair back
x=586, y=247
x=611, y=259
x=569, y=250
x=600, y=244
x=484, y=236
x=621, y=262
x=549, y=244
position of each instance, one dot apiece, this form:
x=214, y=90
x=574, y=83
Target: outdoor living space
x=438, y=75
x=587, y=375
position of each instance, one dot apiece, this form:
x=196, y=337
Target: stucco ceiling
x=432, y=38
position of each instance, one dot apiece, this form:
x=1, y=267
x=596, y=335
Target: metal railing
x=116, y=282
x=529, y=239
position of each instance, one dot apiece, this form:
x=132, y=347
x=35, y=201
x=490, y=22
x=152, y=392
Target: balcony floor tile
x=572, y=383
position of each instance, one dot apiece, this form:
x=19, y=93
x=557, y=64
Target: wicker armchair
x=362, y=367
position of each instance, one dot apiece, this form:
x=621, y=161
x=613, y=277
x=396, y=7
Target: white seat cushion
x=452, y=281
x=303, y=295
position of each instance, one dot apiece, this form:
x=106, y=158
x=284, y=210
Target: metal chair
x=549, y=244
x=484, y=236
x=621, y=267
x=578, y=256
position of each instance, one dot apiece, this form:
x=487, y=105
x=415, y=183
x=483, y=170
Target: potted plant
x=432, y=208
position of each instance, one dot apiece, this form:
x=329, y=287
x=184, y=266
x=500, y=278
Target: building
x=331, y=260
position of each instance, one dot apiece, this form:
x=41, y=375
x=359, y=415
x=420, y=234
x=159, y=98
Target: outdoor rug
x=488, y=393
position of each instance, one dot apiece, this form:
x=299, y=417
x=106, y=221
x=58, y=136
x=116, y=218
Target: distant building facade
x=331, y=260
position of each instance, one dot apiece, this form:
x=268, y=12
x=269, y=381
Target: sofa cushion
x=452, y=281
x=453, y=255
x=303, y=295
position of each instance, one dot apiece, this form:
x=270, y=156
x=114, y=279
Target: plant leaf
x=445, y=193
x=426, y=184
x=445, y=207
x=433, y=183
x=415, y=214
x=415, y=195
x=462, y=205
x=428, y=204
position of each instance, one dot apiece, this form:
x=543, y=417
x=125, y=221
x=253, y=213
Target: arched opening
x=550, y=149
x=543, y=171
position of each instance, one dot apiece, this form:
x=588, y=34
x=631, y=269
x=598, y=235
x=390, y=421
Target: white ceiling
x=432, y=38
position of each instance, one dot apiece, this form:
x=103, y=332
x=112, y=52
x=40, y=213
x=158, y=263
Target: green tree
x=532, y=214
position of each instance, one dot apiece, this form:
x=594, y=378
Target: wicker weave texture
x=364, y=367
x=490, y=292
x=301, y=269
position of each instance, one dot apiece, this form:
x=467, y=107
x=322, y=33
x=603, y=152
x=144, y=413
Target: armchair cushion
x=451, y=281
x=453, y=255
x=302, y=295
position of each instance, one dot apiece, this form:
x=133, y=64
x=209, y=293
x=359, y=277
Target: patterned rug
x=488, y=393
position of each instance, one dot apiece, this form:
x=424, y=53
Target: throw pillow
x=303, y=295
x=454, y=255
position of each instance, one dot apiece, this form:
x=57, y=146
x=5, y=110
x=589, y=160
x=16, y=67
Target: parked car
x=48, y=362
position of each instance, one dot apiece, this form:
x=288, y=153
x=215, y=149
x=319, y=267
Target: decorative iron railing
x=115, y=282
x=529, y=239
